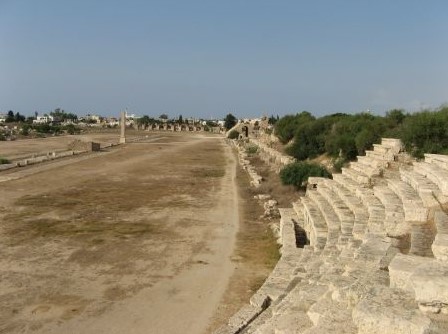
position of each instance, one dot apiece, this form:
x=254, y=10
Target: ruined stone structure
x=174, y=127
x=122, y=127
x=375, y=256
x=84, y=146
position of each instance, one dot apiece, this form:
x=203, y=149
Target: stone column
x=122, y=127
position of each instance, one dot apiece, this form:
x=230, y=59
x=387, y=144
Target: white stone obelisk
x=123, y=127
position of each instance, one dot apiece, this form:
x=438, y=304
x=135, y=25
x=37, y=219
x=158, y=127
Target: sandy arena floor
x=136, y=240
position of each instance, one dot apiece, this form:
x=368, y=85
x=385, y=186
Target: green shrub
x=233, y=134
x=4, y=161
x=252, y=149
x=287, y=126
x=297, y=173
x=338, y=163
x=426, y=132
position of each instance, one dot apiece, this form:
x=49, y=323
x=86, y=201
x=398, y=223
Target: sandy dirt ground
x=26, y=147
x=137, y=240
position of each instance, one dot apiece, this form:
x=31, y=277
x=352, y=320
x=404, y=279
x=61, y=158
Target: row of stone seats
x=374, y=162
x=354, y=277
x=423, y=178
x=330, y=294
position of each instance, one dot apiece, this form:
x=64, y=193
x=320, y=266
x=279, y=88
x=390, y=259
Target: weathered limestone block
x=290, y=321
x=368, y=170
x=356, y=176
x=414, y=210
x=438, y=159
x=441, y=221
x=376, y=250
x=440, y=247
x=387, y=310
x=244, y=316
x=372, y=161
x=394, y=223
x=327, y=316
x=401, y=268
x=433, y=172
x=314, y=224
x=395, y=145
x=430, y=282
x=287, y=231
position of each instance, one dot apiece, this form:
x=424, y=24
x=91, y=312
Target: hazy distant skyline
x=209, y=58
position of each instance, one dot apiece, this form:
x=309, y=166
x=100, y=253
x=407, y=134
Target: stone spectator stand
x=365, y=252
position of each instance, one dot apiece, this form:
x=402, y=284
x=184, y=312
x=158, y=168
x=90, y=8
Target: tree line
x=344, y=136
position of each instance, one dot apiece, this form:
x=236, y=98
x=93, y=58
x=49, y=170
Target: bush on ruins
x=297, y=173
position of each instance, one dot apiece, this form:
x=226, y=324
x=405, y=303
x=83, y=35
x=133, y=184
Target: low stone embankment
x=364, y=252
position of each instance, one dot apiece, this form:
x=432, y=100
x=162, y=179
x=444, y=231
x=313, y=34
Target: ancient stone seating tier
x=356, y=175
x=314, y=224
x=437, y=159
x=434, y=173
x=426, y=189
x=394, y=221
x=354, y=277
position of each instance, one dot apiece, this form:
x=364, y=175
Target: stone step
x=435, y=173
x=315, y=225
x=356, y=176
x=288, y=221
x=394, y=222
x=369, y=170
x=346, y=182
x=354, y=204
x=329, y=316
x=394, y=144
x=345, y=215
x=331, y=219
x=372, y=161
x=376, y=250
x=414, y=210
x=381, y=148
x=386, y=310
x=428, y=191
x=376, y=155
x=437, y=159
x=440, y=247
x=375, y=209
x=422, y=238
x=425, y=278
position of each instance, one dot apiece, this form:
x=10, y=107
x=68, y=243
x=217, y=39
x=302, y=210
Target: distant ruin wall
x=79, y=145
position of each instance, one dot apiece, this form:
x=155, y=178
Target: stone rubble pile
x=364, y=252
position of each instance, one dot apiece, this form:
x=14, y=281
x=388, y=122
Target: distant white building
x=3, y=118
x=43, y=119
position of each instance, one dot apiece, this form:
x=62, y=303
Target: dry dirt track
x=135, y=241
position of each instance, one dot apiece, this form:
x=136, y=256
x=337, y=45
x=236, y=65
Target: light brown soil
x=138, y=240
x=255, y=255
x=272, y=184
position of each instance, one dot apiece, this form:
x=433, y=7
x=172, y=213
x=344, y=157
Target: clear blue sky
x=207, y=58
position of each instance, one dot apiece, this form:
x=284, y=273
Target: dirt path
x=138, y=241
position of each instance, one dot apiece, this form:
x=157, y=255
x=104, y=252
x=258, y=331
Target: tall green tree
x=230, y=121
x=10, y=117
